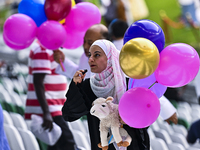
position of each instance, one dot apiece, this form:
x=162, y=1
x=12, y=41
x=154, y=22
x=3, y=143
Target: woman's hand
x=78, y=76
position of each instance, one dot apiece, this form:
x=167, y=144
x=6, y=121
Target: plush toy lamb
x=108, y=114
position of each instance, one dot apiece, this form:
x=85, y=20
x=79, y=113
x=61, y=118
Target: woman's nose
x=91, y=59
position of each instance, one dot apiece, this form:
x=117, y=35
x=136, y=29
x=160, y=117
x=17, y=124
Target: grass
x=173, y=11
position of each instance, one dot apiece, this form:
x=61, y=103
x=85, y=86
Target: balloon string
x=153, y=84
x=110, y=139
x=62, y=66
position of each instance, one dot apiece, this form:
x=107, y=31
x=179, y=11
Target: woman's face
x=97, y=59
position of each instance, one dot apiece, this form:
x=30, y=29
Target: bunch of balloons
x=55, y=23
x=152, y=68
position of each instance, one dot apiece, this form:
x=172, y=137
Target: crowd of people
x=104, y=78
x=49, y=97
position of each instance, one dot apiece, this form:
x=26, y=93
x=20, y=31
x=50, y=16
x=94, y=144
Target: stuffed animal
x=108, y=114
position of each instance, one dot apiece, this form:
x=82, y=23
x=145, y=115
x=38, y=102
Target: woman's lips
x=92, y=66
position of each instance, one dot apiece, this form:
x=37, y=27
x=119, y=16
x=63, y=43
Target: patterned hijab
x=111, y=81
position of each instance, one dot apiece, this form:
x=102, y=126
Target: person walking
x=46, y=95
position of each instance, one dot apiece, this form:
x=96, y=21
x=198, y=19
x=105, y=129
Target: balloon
x=51, y=34
x=62, y=21
x=150, y=83
x=19, y=29
x=131, y=83
x=146, y=29
x=74, y=39
x=14, y=46
x=82, y=16
x=139, y=58
x=73, y=3
x=179, y=64
x=139, y=107
x=57, y=9
x=33, y=9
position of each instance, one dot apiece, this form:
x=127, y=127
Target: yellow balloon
x=139, y=58
x=73, y=3
x=62, y=21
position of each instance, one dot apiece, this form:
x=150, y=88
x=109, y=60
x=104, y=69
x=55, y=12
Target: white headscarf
x=111, y=81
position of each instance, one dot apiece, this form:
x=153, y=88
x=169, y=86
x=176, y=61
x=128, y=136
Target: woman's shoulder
x=86, y=84
x=86, y=81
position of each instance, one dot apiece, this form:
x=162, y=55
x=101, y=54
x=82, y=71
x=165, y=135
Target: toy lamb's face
x=100, y=110
x=101, y=107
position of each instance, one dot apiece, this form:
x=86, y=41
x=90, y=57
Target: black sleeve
x=75, y=105
x=127, y=80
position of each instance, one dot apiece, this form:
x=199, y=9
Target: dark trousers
x=66, y=141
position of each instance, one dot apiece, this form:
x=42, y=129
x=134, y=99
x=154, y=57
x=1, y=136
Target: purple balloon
x=19, y=29
x=51, y=34
x=146, y=29
x=130, y=83
x=139, y=107
x=179, y=64
x=149, y=83
x=82, y=16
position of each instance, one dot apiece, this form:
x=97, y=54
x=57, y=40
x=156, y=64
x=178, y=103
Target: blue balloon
x=33, y=9
x=146, y=29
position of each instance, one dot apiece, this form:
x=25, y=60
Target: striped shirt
x=41, y=61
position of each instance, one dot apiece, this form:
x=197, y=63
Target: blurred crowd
x=117, y=16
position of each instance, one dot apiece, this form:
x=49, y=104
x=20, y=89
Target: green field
x=173, y=11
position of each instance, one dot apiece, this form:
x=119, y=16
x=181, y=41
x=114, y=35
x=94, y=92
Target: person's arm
x=1, y=63
x=38, y=79
x=121, y=10
x=75, y=105
x=69, y=66
x=168, y=111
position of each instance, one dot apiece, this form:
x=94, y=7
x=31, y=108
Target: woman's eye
x=103, y=105
x=96, y=55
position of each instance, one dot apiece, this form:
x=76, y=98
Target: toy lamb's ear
x=109, y=99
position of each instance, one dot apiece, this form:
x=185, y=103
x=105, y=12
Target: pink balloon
x=82, y=16
x=74, y=38
x=179, y=64
x=139, y=107
x=13, y=45
x=51, y=34
x=19, y=29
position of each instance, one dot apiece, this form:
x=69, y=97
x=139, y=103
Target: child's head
x=117, y=29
